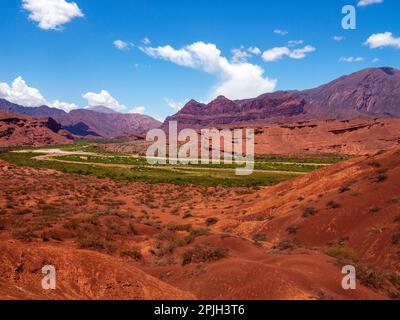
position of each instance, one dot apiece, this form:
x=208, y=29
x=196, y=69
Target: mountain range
x=373, y=92
x=95, y=122
x=369, y=93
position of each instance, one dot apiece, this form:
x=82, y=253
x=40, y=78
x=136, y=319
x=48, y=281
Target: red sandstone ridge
x=89, y=123
x=367, y=93
x=18, y=130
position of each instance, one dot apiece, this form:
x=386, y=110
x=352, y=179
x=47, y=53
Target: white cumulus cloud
x=237, y=80
x=20, y=93
x=351, y=59
x=281, y=32
x=240, y=55
x=278, y=53
x=293, y=43
x=120, y=44
x=364, y=3
x=385, y=39
x=254, y=50
x=338, y=38
x=51, y=14
x=146, y=41
x=105, y=99
x=275, y=54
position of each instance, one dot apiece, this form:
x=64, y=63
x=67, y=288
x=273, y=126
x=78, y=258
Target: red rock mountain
x=367, y=93
x=19, y=130
x=89, y=123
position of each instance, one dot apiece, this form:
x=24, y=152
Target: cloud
x=278, y=53
x=146, y=41
x=237, y=80
x=139, y=110
x=51, y=14
x=105, y=99
x=20, y=93
x=364, y=3
x=376, y=60
x=67, y=107
x=281, y=32
x=301, y=53
x=120, y=44
x=275, y=54
x=338, y=38
x=385, y=39
x=240, y=55
x=175, y=105
x=293, y=43
x=254, y=50
x=351, y=59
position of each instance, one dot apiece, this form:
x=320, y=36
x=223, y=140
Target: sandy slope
x=356, y=202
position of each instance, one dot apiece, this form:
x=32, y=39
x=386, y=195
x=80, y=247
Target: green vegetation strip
x=155, y=174
x=132, y=161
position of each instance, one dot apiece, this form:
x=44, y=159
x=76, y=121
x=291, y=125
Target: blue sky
x=69, y=59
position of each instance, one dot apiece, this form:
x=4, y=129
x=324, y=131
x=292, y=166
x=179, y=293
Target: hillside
x=18, y=130
x=289, y=241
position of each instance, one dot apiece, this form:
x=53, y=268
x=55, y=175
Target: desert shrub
x=25, y=234
x=51, y=235
x=309, y=211
x=203, y=253
x=22, y=212
x=17, y=222
x=114, y=228
x=132, y=252
x=374, y=164
x=168, y=242
x=341, y=251
x=211, y=221
x=95, y=243
x=259, y=237
x=369, y=276
x=379, y=177
x=285, y=245
x=292, y=229
x=164, y=248
x=73, y=224
x=333, y=205
x=199, y=232
x=179, y=227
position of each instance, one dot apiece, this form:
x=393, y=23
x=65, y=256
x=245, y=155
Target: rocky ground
x=113, y=239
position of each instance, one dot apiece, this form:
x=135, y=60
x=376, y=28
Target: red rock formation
x=18, y=130
x=368, y=93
